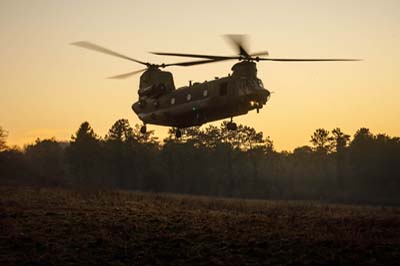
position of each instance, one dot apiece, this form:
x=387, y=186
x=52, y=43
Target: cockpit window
x=260, y=83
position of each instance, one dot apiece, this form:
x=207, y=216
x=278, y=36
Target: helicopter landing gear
x=143, y=129
x=178, y=133
x=231, y=125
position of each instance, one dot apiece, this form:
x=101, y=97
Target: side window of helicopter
x=223, y=89
x=172, y=101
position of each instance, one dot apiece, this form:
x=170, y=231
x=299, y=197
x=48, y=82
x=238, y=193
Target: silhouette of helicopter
x=160, y=103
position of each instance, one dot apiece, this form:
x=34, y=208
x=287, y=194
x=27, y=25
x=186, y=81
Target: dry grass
x=79, y=227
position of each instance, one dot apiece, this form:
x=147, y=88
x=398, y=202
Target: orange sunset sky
x=48, y=87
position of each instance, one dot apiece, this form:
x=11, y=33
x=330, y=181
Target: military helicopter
x=160, y=103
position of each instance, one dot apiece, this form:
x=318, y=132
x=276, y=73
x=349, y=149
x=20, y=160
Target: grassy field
x=88, y=227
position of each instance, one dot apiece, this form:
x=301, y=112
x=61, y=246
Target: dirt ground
x=98, y=227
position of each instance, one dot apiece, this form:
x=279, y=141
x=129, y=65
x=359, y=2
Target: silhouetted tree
x=303, y=151
x=84, y=155
x=14, y=168
x=321, y=140
x=211, y=137
x=3, y=137
x=117, y=152
x=339, y=142
x=215, y=161
x=121, y=131
x=375, y=163
x=145, y=150
x=46, y=159
x=146, y=138
x=361, y=155
x=127, y=155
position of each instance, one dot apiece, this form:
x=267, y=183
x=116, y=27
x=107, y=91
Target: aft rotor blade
x=216, y=57
x=127, y=75
x=95, y=47
x=260, y=53
x=238, y=41
x=306, y=60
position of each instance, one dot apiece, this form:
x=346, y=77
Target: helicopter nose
x=268, y=94
x=264, y=95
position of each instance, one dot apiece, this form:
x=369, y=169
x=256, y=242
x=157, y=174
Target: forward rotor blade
x=193, y=63
x=239, y=42
x=127, y=75
x=190, y=63
x=95, y=47
x=306, y=60
x=215, y=57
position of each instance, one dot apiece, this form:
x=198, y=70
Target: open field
x=88, y=227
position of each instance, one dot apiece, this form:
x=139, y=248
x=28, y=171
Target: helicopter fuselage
x=204, y=102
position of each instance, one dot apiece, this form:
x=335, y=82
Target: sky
x=48, y=87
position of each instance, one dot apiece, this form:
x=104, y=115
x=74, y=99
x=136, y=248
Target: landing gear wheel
x=231, y=126
x=178, y=133
x=143, y=129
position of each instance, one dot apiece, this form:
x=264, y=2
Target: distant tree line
x=213, y=161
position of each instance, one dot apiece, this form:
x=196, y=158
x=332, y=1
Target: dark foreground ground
x=70, y=227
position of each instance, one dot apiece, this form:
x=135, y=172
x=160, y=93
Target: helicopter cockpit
x=154, y=82
x=245, y=73
x=244, y=69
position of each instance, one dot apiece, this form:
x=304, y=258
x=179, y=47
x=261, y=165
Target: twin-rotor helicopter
x=160, y=103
